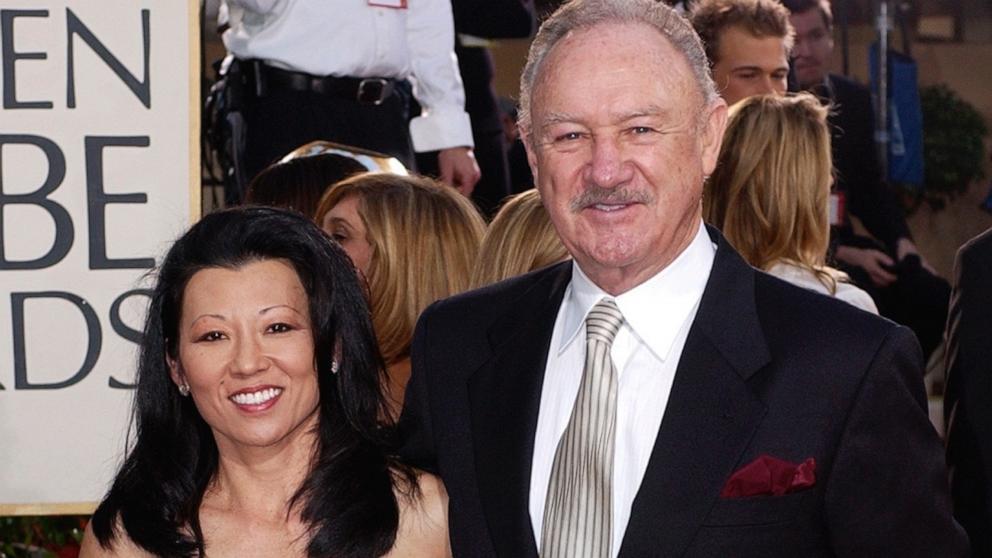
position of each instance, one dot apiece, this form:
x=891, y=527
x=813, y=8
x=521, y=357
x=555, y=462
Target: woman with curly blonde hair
x=769, y=193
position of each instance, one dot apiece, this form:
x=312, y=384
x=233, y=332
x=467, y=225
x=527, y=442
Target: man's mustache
x=593, y=195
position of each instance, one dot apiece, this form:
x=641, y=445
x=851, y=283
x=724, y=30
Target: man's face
x=813, y=49
x=619, y=143
x=748, y=65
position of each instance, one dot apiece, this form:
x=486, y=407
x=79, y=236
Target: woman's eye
x=211, y=336
x=339, y=237
x=280, y=328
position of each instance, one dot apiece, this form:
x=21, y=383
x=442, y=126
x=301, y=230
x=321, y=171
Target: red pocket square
x=769, y=476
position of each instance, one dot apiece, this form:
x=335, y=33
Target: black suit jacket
x=767, y=368
x=858, y=175
x=968, y=394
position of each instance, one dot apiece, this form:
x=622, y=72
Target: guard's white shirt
x=353, y=38
x=657, y=316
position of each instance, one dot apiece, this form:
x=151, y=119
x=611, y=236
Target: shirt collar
x=656, y=309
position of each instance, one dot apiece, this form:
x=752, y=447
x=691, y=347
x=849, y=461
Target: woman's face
x=344, y=224
x=246, y=351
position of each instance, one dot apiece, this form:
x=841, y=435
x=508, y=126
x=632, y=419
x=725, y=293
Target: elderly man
x=657, y=396
x=747, y=43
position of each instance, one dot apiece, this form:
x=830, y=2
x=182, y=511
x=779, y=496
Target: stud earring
x=334, y=366
x=184, y=389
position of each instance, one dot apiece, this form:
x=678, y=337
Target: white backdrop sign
x=98, y=173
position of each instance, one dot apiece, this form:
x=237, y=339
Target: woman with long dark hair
x=259, y=411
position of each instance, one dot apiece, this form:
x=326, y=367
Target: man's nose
x=768, y=84
x=608, y=167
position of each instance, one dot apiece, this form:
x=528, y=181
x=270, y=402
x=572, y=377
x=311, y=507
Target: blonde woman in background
x=415, y=241
x=769, y=194
x=521, y=238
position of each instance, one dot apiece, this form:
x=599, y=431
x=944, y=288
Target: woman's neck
x=260, y=481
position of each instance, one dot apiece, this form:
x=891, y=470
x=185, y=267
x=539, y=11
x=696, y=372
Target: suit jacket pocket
x=756, y=510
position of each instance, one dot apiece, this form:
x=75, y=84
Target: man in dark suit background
x=659, y=397
x=968, y=392
x=888, y=266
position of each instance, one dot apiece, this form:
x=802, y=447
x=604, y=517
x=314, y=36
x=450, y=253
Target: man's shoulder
x=978, y=248
x=818, y=345
x=973, y=270
x=466, y=325
x=790, y=311
x=488, y=303
x=851, y=102
x=846, y=87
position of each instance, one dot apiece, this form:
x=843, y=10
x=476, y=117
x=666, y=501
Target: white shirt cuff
x=436, y=130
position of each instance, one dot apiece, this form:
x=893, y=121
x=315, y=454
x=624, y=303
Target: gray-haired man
x=657, y=396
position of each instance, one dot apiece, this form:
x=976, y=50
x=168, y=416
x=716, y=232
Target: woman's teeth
x=255, y=398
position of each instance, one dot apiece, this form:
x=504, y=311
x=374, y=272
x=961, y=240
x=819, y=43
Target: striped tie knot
x=603, y=321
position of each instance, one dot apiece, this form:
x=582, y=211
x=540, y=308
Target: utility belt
x=239, y=81
x=263, y=79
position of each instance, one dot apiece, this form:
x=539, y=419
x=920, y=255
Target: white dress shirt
x=353, y=38
x=657, y=316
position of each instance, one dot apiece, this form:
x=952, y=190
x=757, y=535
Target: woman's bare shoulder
x=423, y=529
x=121, y=547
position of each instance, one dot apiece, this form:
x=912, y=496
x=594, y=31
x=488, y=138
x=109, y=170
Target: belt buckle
x=372, y=91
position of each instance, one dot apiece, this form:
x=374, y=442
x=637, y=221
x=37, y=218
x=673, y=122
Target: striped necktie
x=578, y=511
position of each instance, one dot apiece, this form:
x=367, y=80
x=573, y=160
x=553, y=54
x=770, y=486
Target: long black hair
x=347, y=500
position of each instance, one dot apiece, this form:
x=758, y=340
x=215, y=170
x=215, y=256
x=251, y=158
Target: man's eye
x=641, y=130
x=569, y=136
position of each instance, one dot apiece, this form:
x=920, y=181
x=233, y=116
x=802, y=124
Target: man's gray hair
x=576, y=15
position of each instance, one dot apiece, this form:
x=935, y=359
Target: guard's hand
x=872, y=261
x=458, y=169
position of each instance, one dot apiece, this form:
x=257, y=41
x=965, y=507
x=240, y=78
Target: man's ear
x=713, y=125
x=527, y=139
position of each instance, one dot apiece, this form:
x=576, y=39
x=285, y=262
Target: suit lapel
x=505, y=396
x=710, y=416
